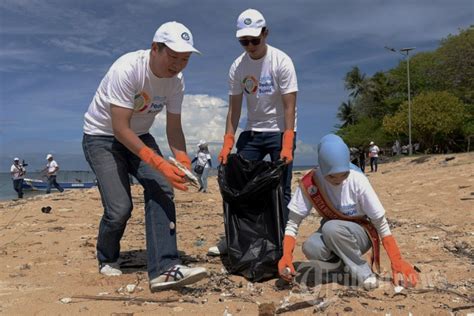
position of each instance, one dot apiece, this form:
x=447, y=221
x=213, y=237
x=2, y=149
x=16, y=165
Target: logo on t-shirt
x=250, y=84
x=157, y=105
x=141, y=102
x=266, y=85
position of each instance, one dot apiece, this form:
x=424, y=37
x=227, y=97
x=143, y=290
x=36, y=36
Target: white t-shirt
x=202, y=159
x=263, y=82
x=374, y=151
x=51, y=165
x=131, y=84
x=18, y=172
x=353, y=197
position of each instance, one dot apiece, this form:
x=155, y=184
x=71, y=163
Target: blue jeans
x=256, y=145
x=52, y=182
x=112, y=163
x=373, y=163
x=203, y=179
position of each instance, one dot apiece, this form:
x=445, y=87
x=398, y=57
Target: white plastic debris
x=131, y=288
x=398, y=289
x=66, y=300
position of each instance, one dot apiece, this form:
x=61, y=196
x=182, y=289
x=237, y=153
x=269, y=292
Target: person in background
x=18, y=171
x=203, y=164
x=353, y=221
x=266, y=77
x=374, y=156
x=117, y=142
x=362, y=159
x=51, y=170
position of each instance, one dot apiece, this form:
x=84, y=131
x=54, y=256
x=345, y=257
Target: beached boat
x=37, y=184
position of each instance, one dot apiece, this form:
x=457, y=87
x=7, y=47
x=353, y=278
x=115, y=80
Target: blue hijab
x=334, y=156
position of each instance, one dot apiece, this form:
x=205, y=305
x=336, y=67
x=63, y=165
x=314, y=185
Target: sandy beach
x=48, y=263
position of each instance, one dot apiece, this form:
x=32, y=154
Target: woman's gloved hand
x=401, y=270
x=285, y=265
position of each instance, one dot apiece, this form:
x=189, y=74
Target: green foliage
x=383, y=96
x=434, y=116
x=360, y=134
x=346, y=113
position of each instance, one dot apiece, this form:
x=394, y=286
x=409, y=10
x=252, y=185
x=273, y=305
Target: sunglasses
x=254, y=41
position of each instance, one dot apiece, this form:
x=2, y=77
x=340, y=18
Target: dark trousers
x=373, y=163
x=18, y=187
x=52, y=182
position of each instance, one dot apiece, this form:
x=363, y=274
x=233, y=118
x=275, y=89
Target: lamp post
x=406, y=52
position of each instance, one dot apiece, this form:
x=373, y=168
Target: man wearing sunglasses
x=266, y=77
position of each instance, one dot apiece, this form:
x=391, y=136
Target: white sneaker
x=177, y=276
x=110, y=269
x=370, y=283
x=219, y=249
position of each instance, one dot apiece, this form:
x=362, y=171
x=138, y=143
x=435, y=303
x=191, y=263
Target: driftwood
x=129, y=299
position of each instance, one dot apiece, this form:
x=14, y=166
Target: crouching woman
x=353, y=220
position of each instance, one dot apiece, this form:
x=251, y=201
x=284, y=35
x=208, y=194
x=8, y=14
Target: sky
x=53, y=55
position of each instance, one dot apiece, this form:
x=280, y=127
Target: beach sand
x=48, y=264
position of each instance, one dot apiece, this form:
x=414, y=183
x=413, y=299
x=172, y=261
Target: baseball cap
x=49, y=156
x=176, y=36
x=16, y=159
x=250, y=23
x=201, y=143
x=371, y=143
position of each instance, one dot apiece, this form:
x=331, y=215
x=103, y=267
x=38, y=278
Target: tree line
x=442, y=100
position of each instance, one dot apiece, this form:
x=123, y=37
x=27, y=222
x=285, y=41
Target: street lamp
x=406, y=52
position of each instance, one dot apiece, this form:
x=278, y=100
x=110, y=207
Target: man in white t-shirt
x=18, y=171
x=117, y=142
x=266, y=77
x=374, y=156
x=51, y=170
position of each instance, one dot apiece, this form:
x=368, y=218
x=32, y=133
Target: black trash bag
x=253, y=216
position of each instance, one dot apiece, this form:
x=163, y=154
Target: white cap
x=16, y=159
x=371, y=143
x=49, y=156
x=176, y=36
x=201, y=143
x=250, y=23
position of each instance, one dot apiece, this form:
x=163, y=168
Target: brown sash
x=312, y=189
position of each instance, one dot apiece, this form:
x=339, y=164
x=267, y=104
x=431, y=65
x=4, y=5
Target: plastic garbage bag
x=253, y=216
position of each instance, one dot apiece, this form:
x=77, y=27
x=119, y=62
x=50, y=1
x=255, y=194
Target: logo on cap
x=248, y=21
x=185, y=36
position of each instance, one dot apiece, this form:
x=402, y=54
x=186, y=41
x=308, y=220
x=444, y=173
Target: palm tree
x=357, y=83
x=346, y=113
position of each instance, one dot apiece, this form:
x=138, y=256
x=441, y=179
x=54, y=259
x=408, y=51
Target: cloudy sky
x=53, y=55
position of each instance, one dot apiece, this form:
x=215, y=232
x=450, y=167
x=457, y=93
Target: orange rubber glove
x=173, y=174
x=286, y=153
x=183, y=158
x=226, y=148
x=286, y=260
x=399, y=266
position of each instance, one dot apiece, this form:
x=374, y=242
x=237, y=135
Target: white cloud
x=203, y=117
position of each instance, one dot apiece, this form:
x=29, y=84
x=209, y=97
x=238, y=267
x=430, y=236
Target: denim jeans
x=112, y=163
x=256, y=145
x=373, y=163
x=52, y=182
x=203, y=179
